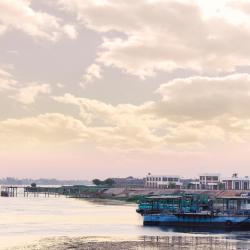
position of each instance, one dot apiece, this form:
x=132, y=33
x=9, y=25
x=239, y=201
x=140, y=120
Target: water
x=55, y=222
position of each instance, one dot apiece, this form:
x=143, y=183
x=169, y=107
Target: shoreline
x=134, y=195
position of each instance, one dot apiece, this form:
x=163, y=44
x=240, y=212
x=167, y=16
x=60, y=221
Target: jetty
x=75, y=191
x=27, y=191
x=9, y=191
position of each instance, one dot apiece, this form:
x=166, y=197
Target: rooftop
x=235, y=197
x=159, y=197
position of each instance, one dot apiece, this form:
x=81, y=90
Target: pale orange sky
x=118, y=88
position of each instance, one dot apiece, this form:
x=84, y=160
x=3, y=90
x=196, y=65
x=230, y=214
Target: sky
x=113, y=88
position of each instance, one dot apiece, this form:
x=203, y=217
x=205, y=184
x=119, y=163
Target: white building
x=209, y=181
x=162, y=181
x=237, y=183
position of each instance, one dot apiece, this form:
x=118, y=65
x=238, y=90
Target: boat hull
x=208, y=221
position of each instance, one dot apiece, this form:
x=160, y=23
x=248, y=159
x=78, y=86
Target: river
x=35, y=221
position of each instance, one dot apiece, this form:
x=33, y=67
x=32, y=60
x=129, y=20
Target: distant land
x=42, y=181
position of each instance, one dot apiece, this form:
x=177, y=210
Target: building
x=163, y=181
x=237, y=183
x=194, y=185
x=209, y=181
x=206, y=181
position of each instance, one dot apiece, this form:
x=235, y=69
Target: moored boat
x=196, y=211
x=4, y=194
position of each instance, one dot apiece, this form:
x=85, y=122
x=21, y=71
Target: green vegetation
x=221, y=186
x=172, y=185
x=108, y=182
x=33, y=185
x=136, y=198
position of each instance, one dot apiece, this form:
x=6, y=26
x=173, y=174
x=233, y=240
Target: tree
x=33, y=185
x=172, y=185
x=221, y=186
x=109, y=182
x=97, y=182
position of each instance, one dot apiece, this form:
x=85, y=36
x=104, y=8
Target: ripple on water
x=139, y=243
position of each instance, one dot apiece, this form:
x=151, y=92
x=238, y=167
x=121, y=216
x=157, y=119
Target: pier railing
x=77, y=191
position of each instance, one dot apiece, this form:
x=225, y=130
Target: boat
x=192, y=210
x=4, y=194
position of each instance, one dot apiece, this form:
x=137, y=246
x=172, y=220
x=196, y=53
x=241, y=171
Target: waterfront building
x=205, y=181
x=209, y=181
x=163, y=181
x=194, y=185
x=237, y=183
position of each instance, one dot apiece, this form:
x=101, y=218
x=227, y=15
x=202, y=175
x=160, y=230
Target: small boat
x=4, y=194
x=192, y=210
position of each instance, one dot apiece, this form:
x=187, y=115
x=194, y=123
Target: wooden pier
x=28, y=191
x=76, y=191
x=37, y=191
x=9, y=191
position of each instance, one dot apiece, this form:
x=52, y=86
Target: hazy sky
x=100, y=88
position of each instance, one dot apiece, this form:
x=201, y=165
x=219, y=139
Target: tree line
x=108, y=182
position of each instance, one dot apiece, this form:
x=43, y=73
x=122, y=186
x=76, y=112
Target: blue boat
x=196, y=211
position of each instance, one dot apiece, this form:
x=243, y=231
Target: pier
x=29, y=191
x=9, y=191
x=77, y=191
x=37, y=191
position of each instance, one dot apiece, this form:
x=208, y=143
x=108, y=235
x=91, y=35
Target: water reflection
x=198, y=242
x=144, y=242
x=203, y=230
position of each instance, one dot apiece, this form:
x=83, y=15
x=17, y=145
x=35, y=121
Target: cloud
x=19, y=15
x=92, y=72
x=2, y=29
x=166, y=35
x=7, y=82
x=28, y=94
x=118, y=127
x=90, y=110
x=206, y=97
x=48, y=130
x=70, y=31
x=60, y=85
x=242, y=5
x=191, y=114
x=25, y=93
x=42, y=130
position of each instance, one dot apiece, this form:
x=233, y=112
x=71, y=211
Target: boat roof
x=234, y=197
x=165, y=197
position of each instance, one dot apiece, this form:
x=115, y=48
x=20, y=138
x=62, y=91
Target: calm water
x=39, y=220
